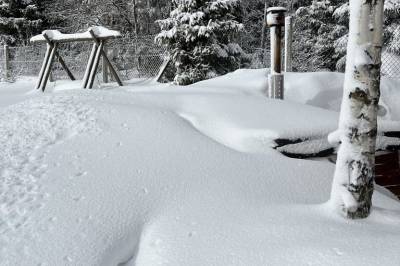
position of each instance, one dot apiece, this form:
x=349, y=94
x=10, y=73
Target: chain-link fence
x=133, y=57
x=24, y=60
x=390, y=64
x=139, y=57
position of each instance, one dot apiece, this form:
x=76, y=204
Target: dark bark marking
x=360, y=96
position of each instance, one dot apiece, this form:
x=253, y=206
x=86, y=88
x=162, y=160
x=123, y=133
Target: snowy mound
x=155, y=174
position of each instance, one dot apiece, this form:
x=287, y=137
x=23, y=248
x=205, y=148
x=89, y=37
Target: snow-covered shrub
x=200, y=37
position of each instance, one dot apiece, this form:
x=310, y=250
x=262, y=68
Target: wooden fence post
x=288, y=43
x=6, y=62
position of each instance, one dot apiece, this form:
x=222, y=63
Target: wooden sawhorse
x=94, y=59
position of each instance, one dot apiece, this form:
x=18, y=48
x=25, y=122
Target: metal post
x=6, y=62
x=276, y=50
x=276, y=20
x=288, y=43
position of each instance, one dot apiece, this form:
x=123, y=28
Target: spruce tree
x=322, y=32
x=391, y=24
x=200, y=36
x=319, y=34
x=19, y=20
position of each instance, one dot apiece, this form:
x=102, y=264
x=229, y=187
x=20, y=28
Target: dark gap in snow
x=392, y=134
x=393, y=148
x=284, y=142
x=323, y=153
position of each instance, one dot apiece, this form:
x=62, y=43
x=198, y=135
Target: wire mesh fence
x=133, y=57
x=139, y=57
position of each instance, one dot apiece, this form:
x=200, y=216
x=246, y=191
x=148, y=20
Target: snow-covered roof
x=57, y=36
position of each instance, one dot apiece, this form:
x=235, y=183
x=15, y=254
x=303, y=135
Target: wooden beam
x=105, y=65
x=64, y=66
x=164, y=67
x=44, y=66
x=48, y=67
x=97, y=53
x=112, y=69
x=89, y=65
x=95, y=65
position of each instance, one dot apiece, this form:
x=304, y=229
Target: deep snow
x=154, y=174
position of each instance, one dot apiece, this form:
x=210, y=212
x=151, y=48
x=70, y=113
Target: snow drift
x=155, y=174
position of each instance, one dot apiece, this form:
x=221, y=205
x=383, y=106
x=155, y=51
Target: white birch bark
x=353, y=183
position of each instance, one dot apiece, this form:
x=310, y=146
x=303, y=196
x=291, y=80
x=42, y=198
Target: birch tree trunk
x=353, y=183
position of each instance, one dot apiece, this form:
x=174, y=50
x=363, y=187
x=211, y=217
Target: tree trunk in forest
x=353, y=184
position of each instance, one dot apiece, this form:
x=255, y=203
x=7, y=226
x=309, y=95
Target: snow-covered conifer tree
x=318, y=34
x=392, y=21
x=19, y=20
x=199, y=35
x=353, y=184
x=322, y=32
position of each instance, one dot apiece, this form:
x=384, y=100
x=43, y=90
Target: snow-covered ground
x=154, y=174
